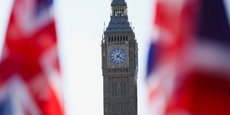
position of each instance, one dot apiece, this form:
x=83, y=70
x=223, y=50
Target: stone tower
x=119, y=63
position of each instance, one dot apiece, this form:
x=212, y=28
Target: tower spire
x=119, y=8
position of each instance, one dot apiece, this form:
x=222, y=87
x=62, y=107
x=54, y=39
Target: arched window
x=123, y=87
x=115, y=88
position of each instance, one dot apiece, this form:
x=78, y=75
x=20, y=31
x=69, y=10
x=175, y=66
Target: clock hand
x=120, y=56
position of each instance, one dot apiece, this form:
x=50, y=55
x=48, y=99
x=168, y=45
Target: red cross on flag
x=30, y=82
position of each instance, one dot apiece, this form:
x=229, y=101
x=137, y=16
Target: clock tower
x=119, y=63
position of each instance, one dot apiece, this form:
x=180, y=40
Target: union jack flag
x=189, y=70
x=30, y=82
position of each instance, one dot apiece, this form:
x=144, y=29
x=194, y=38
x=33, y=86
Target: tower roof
x=119, y=24
x=118, y=2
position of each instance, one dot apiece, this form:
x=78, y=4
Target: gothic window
x=123, y=87
x=113, y=88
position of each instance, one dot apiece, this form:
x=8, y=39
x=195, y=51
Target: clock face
x=118, y=56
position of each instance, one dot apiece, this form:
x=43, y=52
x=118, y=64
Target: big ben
x=119, y=63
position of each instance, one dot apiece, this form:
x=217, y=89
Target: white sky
x=80, y=26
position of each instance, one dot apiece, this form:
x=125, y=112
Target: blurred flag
x=191, y=74
x=29, y=66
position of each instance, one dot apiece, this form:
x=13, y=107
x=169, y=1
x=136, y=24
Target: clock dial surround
x=118, y=56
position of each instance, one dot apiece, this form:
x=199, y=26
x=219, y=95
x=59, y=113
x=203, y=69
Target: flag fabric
x=190, y=75
x=30, y=82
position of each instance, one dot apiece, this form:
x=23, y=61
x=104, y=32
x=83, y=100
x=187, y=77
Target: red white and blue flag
x=30, y=82
x=189, y=65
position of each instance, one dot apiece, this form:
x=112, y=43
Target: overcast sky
x=80, y=26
